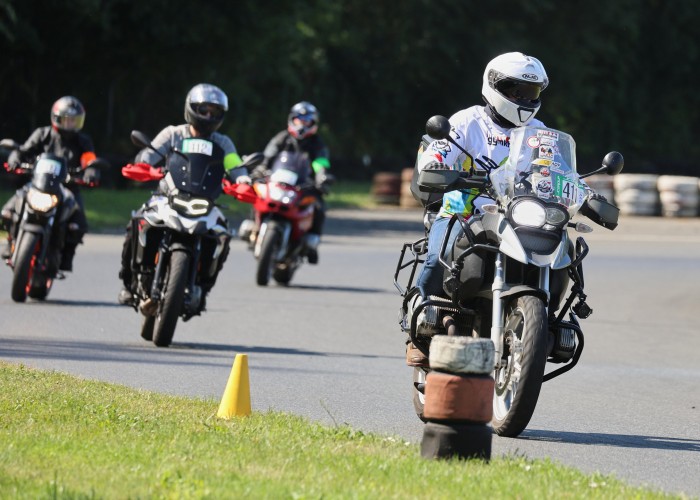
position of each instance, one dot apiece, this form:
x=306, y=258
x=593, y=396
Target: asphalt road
x=329, y=347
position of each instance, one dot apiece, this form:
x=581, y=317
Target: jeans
x=430, y=279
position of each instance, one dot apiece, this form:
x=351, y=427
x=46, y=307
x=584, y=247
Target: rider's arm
x=163, y=143
x=443, y=151
x=28, y=151
x=274, y=147
x=88, y=151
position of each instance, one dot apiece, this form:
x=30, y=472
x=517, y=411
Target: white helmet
x=512, y=86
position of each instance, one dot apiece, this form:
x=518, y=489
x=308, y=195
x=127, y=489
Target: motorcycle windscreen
x=48, y=175
x=541, y=163
x=291, y=168
x=198, y=169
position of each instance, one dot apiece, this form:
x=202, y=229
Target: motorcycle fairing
x=159, y=213
x=49, y=175
x=510, y=244
x=292, y=168
x=198, y=169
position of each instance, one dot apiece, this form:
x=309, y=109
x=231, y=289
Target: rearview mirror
x=140, y=139
x=438, y=127
x=613, y=163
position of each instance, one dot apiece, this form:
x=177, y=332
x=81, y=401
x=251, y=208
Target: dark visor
x=521, y=91
x=209, y=110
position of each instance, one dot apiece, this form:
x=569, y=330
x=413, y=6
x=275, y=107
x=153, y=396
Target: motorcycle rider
x=205, y=108
x=511, y=87
x=65, y=139
x=301, y=135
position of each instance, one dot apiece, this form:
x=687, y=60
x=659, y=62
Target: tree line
x=622, y=74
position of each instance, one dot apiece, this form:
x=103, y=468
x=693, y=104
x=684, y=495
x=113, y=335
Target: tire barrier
x=636, y=194
x=406, y=199
x=602, y=184
x=386, y=188
x=679, y=195
x=458, y=398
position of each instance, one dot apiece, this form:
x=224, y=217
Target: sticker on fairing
x=199, y=146
x=284, y=176
x=546, y=152
x=50, y=167
x=567, y=189
x=533, y=142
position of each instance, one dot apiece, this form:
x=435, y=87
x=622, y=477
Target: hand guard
x=596, y=196
x=436, y=165
x=142, y=172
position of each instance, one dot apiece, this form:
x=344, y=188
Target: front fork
x=498, y=317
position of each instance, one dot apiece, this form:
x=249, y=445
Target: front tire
x=419, y=377
x=171, y=298
x=519, y=379
x=23, y=266
x=272, y=240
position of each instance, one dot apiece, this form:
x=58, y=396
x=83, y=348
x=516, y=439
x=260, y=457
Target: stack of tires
x=679, y=195
x=603, y=185
x=458, y=398
x=636, y=194
x=386, y=188
x=407, y=200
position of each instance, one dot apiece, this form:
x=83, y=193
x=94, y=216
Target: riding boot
x=6, y=251
x=415, y=357
x=311, y=242
x=67, y=257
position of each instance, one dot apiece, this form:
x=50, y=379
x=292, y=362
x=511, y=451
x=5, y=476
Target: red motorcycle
x=283, y=209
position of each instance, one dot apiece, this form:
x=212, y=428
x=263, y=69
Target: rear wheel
x=283, y=276
x=519, y=378
x=272, y=240
x=172, y=296
x=24, y=266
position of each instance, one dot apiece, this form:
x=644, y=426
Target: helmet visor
x=70, y=123
x=305, y=119
x=519, y=91
x=209, y=111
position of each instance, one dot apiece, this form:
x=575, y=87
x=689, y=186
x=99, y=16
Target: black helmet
x=303, y=120
x=67, y=114
x=205, y=108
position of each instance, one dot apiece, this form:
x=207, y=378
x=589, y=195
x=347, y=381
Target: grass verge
x=63, y=437
x=110, y=209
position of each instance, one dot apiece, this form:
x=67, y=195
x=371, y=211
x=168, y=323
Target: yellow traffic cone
x=236, y=399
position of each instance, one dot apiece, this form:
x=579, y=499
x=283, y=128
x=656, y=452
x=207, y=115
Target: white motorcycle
x=508, y=273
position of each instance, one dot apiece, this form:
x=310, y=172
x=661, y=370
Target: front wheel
x=24, y=266
x=272, y=240
x=172, y=297
x=419, y=377
x=519, y=378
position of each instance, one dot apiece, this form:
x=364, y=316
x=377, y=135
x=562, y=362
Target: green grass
x=63, y=437
x=110, y=209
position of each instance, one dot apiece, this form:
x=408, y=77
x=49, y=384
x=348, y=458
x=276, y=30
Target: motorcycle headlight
x=281, y=194
x=192, y=207
x=556, y=216
x=529, y=213
x=534, y=213
x=41, y=202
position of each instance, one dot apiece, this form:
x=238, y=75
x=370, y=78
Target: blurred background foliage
x=623, y=73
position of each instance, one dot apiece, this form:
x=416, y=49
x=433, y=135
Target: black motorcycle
x=508, y=272
x=180, y=239
x=40, y=222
